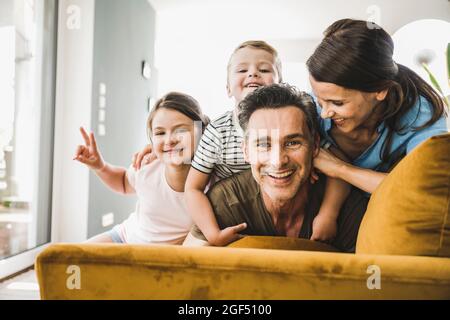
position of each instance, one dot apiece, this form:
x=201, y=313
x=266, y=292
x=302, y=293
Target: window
x=27, y=84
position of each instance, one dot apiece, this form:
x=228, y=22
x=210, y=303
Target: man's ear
x=316, y=145
x=244, y=147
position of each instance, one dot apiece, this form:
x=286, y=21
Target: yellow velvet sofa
x=402, y=252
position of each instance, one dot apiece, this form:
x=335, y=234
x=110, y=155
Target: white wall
x=73, y=108
x=196, y=37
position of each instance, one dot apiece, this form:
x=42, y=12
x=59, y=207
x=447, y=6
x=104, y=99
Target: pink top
x=161, y=215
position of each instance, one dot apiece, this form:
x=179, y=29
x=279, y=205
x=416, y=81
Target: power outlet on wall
x=107, y=219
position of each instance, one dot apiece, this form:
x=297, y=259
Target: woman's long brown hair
x=357, y=54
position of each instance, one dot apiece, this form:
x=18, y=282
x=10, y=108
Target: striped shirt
x=219, y=151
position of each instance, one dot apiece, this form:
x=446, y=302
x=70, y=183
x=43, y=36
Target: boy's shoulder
x=224, y=120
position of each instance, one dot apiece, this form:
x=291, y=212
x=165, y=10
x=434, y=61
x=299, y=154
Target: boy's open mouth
x=253, y=85
x=173, y=150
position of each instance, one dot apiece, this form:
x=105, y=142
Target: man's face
x=280, y=149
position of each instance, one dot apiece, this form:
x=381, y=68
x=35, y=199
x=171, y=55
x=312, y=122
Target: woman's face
x=349, y=109
x=173, y=137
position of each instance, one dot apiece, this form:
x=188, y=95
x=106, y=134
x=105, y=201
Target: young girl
x=161, y=215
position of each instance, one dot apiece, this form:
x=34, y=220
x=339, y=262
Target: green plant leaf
x=432, y=78
x=435, y=83
x=448, y=63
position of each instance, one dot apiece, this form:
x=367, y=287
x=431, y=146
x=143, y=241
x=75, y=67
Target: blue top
x=402, y=142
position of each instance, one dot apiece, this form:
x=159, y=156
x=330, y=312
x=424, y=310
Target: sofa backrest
x=408, y=214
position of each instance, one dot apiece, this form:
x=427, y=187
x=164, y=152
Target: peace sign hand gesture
x=89, y=154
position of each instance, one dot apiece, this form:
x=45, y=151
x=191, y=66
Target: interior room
x=104, y=64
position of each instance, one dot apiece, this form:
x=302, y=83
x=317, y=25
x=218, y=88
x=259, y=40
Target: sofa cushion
x=281, y=243
x=408, y=214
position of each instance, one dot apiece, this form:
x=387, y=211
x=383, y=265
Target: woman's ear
x=381, y=95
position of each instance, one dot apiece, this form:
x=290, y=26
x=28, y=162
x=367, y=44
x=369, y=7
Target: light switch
x=107, y=219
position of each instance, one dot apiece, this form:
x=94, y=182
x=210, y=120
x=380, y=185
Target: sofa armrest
x=114, y=271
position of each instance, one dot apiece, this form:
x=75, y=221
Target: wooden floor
x=21, y=287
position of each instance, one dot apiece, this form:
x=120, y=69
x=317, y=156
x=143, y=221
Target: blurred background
x=102, y=64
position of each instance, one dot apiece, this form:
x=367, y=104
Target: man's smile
x=279, y=177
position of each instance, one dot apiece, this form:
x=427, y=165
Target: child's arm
x=336, y=191
x=325, y=223
x=202, y=213
x=113, y=177
x=192, y=241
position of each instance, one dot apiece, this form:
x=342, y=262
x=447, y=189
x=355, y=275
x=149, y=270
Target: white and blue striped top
x=219, y=151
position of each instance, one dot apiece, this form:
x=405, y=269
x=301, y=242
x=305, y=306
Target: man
x=275, y=197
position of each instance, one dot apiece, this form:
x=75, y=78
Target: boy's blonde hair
x=259, y=44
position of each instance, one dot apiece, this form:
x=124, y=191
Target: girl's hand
x=143, y=157
x=328, y=163
x=324, y=228
x=89, y=154
x=228, y=235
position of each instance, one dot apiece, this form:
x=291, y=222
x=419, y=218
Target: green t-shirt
x=238, y=199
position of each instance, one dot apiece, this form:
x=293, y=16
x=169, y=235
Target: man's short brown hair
x=278, y=96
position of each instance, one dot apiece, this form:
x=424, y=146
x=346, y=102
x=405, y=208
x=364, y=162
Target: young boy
x=253, y=64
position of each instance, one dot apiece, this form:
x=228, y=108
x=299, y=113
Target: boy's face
x=249, y=69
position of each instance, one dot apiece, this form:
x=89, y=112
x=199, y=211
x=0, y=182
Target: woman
x=372, y=109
